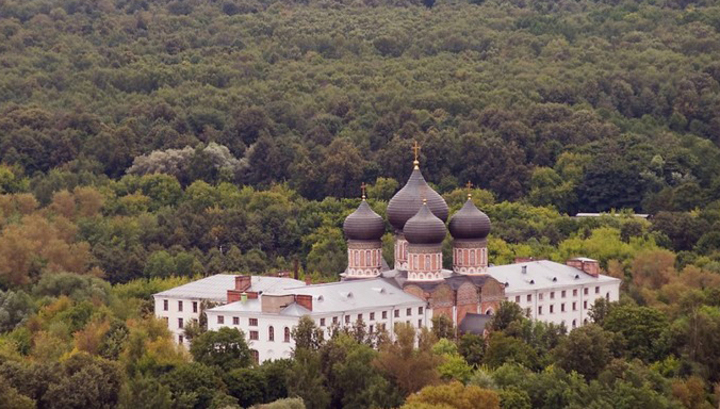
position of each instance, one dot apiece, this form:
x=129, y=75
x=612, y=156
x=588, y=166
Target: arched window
x=607, y=296
x=465, y=257
x=374, y=258
x=489, y=311
x=255, y=356
x=428, y=265
x=472, y=257
x=574, y=323
x=415, y=262
x=271, y=333
x=287, y=334
x=367, y=258
x=357, y=257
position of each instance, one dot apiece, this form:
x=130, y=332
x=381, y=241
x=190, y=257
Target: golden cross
x=363, y=186
x=416, y=150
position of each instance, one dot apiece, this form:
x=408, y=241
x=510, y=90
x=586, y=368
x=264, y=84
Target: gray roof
x=474, y=323
x=215, y=287
x=542, y=274
x=337, y=297
x=408, y=200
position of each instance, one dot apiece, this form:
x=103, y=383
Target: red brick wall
x=304, y=300
x=242, y=283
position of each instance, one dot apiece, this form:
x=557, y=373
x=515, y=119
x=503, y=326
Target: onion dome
x=407, y=202
x=469, y=223
x=425, y=227
x=364, y=224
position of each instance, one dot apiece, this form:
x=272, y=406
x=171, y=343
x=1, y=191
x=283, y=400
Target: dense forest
x=144, y=143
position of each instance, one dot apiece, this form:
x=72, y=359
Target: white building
x=554, y=292
x=268, y=318
x=183, y=304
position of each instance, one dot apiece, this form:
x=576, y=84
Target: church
x=416, y=288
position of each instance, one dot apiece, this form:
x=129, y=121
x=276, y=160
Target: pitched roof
x=542, y=274
x=215, y=287
x=337, y=297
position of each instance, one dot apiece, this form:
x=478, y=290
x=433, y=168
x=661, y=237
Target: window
x=420, y=310
x=597, y=290
x=563, y=293
x=574, y=324
x=540, y=297
x=359, y=317
x=371, y=329
x=574, y=305
x=382, y=327
x=585, y=305
x=372, y=316
x=165, y=305
x=253, y=322
x=180, y=322
x=287, y=334
x=322, y=322
x=585, y=291
x=221, y=319
x=517, y=299
x=335, y=319
x=254, y=336
x=527, y=312
x=540, y=310
x=562, y=307
x=255, y=356
x=236, y=320
x=180, y=306
x=166, y=320
x=384, y=315
x=194, y=306
x=419, y=323
x=271, y=333
x=575, y=292
x=408, y=312
x=552, y=295
x=347, y=319
x=180, y=339
x=529, y=298
x=552, y=308
x=397, y=313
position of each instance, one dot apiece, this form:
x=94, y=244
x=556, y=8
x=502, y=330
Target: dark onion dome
x=469, y=223
x=364, y=224
x=425, y=228
x=406, y=203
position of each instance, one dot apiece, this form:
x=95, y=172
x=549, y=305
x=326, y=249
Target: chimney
x=524, y=259
x=586, y=265
x=242, y=283
x=308, y=279
x=304, y=300
x=524, y=269
x=233, y=296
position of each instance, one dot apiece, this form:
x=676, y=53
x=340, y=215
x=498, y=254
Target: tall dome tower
x=364, y=229
x=406, y=203
x=470, y=228
x=425, y=233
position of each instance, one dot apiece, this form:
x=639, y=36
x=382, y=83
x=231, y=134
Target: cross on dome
x=416, y=150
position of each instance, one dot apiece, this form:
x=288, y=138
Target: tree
x=442, y=327
x=586, y=351
x=454, y=395
x=192, y=385
x=307, y=335
x=508, y=313
x=412, y=369
x=642, y=328
x=85, y=382
x=306, y=380
x=247, y=385
x=472, y=348
x=225, y=348
x=15, y=308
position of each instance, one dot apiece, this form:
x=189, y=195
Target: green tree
x=225, y=348
x=586, y=351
